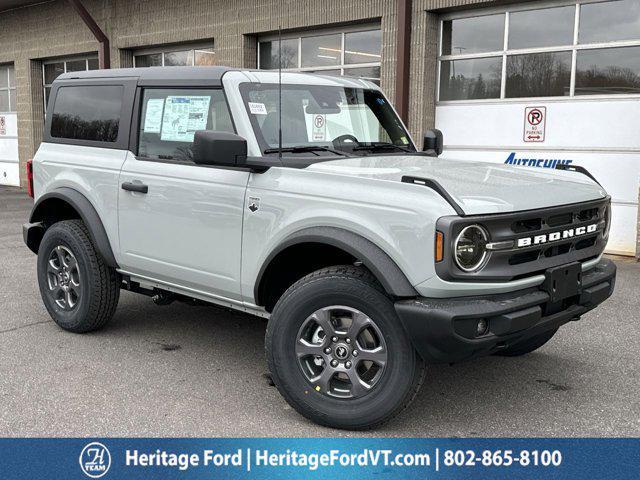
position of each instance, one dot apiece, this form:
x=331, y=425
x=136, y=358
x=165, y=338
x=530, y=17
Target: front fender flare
x=373, y=257
x=87, y=213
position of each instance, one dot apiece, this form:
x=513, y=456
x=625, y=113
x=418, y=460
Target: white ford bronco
x=306, y=202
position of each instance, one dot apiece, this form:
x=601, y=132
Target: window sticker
x=257, y=108
x=153, y=117
x=183, y=116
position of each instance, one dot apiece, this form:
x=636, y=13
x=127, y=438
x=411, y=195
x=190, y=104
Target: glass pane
x=4, y=100
x=93, y=64
x=178, y=59
x=12, y=100
x=322, y=50
x=362, y=47
x=602, y=22
x=4, y=77
x=76, y=66
x=608, y=71
x=152, y=60
x=47, y=94
x=318, y=114
x=269, y=54
x=170, y=118
x=542, y=28
x=539, y=75
x=205, y=57
x=473, y=35
x=52, y=71
x=364, y=72
x=471, y=79
x=87, y=113
x=12, y=77
x=325, y=72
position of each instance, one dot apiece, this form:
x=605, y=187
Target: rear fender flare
x=88, y=214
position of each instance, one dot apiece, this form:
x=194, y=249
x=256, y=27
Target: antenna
x=280, y=93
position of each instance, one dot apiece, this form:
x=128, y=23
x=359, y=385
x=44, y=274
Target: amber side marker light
x=439, y=253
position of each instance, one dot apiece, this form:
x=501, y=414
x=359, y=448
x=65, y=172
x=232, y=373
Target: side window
x=87, y=113
x=170, y=118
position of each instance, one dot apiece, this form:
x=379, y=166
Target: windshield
x=325, y=120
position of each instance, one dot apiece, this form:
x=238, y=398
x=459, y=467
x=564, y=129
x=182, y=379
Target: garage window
x=7, y=89
x=52, y=69
x=175, y=56
x=353, y=52
x=565, y=50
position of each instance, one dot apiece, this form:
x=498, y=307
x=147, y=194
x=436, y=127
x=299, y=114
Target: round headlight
x=470, y=248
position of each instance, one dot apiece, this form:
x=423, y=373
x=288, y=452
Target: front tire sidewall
x=71, y=320
x=387, y=396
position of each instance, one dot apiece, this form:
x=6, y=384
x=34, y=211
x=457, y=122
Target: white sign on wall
x=3, y=125
x=535, y=121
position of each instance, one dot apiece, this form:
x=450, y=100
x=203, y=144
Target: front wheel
x=338, y=353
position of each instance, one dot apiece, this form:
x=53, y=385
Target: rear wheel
x=338, y=353
x=528, y=346
x=78, y=289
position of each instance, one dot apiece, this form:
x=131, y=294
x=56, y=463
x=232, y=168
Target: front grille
x=534, y=226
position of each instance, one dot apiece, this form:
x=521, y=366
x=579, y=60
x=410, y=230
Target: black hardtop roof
x=155, y=75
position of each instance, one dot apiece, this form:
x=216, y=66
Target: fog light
x=482, y=327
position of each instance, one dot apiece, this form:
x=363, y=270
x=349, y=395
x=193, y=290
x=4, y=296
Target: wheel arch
x=65, y=203
x=346, y=245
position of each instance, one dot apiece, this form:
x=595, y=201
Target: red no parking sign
x=535, y=120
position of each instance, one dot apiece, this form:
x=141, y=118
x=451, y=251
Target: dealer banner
x=201, y=458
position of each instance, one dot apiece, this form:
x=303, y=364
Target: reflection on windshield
x=325, y=120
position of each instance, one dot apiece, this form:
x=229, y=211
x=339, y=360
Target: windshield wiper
x=305, y=148
x=382, y=146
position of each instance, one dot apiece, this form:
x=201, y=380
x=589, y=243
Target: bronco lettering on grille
x=555, y=236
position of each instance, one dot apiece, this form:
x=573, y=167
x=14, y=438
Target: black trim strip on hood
x=433, y=185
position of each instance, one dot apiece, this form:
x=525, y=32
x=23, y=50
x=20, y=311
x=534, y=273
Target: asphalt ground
x=181, y=370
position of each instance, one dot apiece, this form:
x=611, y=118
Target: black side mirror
x=219, y=148
x=433, y=141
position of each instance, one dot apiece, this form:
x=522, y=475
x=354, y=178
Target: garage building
x=532, y=83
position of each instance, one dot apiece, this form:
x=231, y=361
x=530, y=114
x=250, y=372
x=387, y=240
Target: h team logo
x=95, y=460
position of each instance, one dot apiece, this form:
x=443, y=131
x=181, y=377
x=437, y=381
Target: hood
x=478, y=187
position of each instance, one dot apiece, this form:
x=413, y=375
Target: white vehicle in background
x=369, y=258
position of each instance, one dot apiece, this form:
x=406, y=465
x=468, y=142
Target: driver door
x=181, y=223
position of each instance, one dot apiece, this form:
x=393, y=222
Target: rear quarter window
x=89, y=113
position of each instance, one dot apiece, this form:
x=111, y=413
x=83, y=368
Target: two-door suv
x=306, y=202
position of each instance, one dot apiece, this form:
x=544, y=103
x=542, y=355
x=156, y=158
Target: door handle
x=135, y=187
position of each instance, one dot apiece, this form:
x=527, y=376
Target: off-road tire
x=528, y=346
x=353, y=287
x=100, y=283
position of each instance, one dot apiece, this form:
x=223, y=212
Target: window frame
x=121, y=143
x=10, y=87
x=64, y=61
x=134, y=136
x=170, y=48
x=341, y=66
x=575, y=47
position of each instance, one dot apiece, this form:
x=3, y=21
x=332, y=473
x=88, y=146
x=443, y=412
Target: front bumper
x=444, y=330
